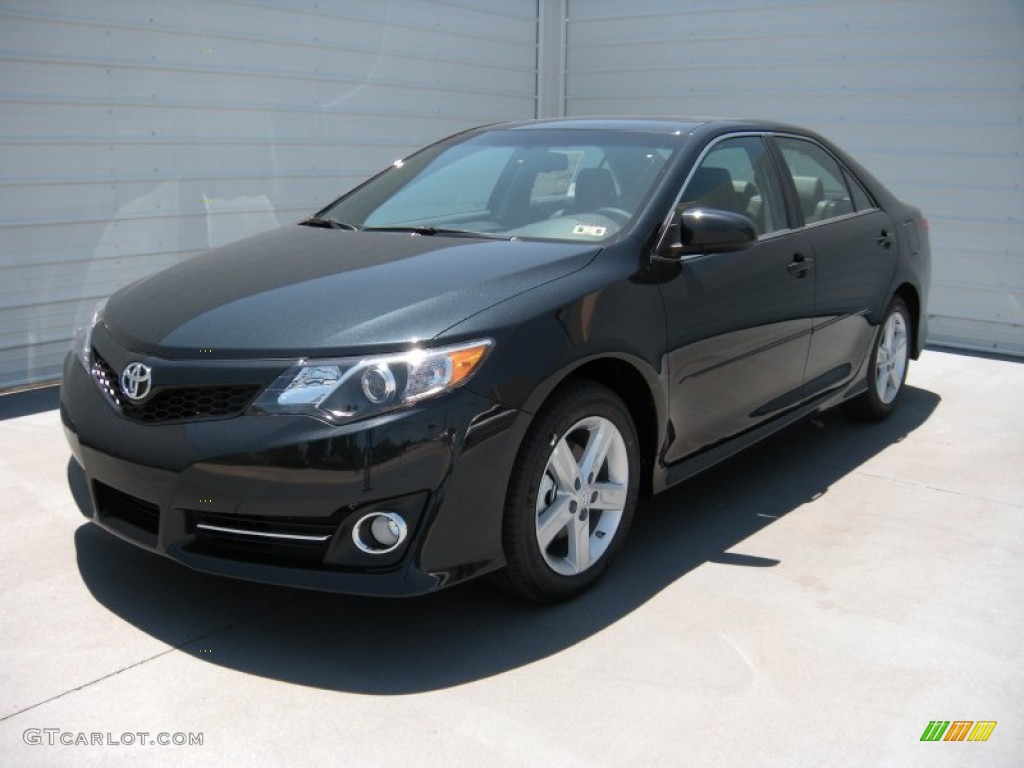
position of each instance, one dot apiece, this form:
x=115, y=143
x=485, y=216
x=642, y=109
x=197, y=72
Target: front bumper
x=274, y=498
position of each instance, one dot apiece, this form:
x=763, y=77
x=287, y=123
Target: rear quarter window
x=861, y=199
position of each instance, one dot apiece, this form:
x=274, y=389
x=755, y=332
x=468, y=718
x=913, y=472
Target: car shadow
x=466, y=633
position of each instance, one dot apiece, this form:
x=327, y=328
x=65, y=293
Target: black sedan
x=476, y=362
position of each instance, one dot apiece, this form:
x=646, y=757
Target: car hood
x=299, y=290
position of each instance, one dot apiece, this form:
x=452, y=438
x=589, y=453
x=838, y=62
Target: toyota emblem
x=136, y=379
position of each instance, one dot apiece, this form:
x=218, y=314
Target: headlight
x=354, y=388
x=81, y=343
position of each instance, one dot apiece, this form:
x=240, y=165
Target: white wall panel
x=135, y=133
x=929, y=95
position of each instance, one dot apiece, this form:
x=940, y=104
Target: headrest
x=811, y=192
x=708, y=182
x=745, y=189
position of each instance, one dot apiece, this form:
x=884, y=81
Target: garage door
x=929, y=96
x=135, y=133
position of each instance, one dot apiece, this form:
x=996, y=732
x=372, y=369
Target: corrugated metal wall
x=135, y=133
x=929, y=95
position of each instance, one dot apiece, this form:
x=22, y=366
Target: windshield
x=580, y=185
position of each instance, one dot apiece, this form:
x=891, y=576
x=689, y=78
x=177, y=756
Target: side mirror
x=699, y=231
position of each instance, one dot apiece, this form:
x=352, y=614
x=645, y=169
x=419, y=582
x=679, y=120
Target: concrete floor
x=814, y=602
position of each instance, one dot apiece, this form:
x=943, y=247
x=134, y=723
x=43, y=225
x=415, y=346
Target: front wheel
x=887, y=368
x=572, y=494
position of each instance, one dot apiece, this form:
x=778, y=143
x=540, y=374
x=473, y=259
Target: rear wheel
x=572, y=494
x=887, y=368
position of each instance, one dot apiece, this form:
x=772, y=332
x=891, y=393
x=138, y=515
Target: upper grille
x=171, y=404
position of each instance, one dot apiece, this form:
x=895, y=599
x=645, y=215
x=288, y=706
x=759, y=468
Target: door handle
x=800, y=266
x=885, y=239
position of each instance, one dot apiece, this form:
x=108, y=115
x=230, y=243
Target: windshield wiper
x=320, y=221
x=444, y=232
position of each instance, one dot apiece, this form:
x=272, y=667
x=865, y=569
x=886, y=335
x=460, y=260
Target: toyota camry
x=478, y=360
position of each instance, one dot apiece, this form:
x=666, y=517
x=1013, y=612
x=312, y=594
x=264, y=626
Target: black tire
x=582, y=414
x=887, y=367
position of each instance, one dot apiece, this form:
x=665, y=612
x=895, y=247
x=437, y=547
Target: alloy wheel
x=891, y=360
x=582, y=495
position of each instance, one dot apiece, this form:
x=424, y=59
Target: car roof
x=669, y=125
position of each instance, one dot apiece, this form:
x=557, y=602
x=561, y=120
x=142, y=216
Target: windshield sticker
x=594, y=230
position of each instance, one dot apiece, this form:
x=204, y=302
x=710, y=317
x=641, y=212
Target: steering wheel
x=618, y=215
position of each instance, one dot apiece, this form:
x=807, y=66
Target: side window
x=819, y=181
x=861, y=200
x=737, y=175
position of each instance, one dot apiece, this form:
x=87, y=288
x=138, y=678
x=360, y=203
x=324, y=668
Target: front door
x=739, y=323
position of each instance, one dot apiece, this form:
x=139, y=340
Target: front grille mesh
x=175, y=404
x=105, y=379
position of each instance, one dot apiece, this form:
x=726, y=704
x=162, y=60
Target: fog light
x=386, y=531
x=379, y=533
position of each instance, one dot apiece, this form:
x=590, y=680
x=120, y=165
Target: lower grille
x=115, y=504
x=274, y=540
x=173, y=404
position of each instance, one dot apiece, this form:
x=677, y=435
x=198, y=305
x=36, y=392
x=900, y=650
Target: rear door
x=853, y=246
